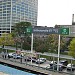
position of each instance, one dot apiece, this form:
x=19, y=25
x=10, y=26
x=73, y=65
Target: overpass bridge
x=41, y=71
x=33, y=67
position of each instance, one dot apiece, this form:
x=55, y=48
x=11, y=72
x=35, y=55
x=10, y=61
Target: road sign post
x=47, y=30
x=31, y=47
x=64, y=31
x=29, y=30
x=58, y=53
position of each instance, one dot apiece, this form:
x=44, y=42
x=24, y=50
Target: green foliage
x=40, y=46
x=49, y=44
x=52, y=42
x=72, y=48
x=20, y=34
x=27, y=43
x=20, y=28
x=6, y=39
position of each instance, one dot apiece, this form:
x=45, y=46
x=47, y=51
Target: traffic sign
x=64, y=31
x=29, y=30
x=45, y=30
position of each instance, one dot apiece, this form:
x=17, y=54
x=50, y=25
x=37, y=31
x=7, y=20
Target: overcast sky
x=51, y=12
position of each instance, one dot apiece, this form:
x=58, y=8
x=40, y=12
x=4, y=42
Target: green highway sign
x=47, y=30
x=29, y=30
x=64, y=31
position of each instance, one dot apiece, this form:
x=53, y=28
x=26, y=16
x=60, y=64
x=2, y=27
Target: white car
x=10, y=55
x=53, y=62
x=44, y=59
x=71, y=66
x=16, y=56
x=40, y=60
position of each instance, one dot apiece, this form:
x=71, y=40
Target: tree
x=40, y=46
x=52, y=42
x=6, y=39
x=49, y=44
x=71, y=48
x=20, y=34
x=20, y=28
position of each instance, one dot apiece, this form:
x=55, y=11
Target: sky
x=52, y=12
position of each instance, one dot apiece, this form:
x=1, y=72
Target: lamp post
x=63, y=31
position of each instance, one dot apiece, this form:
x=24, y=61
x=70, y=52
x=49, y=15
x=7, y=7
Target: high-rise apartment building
x=13, y=11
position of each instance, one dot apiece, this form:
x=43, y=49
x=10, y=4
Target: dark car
x=29, y=59
x=53, y=62
x=64, y=63
x=55, y=67
x=70, y=67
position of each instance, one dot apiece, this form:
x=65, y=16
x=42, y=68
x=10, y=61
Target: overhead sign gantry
x=48, y=30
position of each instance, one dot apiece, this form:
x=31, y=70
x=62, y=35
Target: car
x=53, y=62
x=44, y=59
x=64, y=62
x=17, y=56
x=40, y=60
x=69, y=67
x=29, y=59
x=55, y=67
x=10, y=55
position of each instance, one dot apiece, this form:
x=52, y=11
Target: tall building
x=13, y=11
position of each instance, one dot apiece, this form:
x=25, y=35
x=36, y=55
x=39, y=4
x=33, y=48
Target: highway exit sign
x=64, y=31
x=29, y=30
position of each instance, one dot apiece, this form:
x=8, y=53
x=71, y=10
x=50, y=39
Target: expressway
x=44, y=65
x=47, y=54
